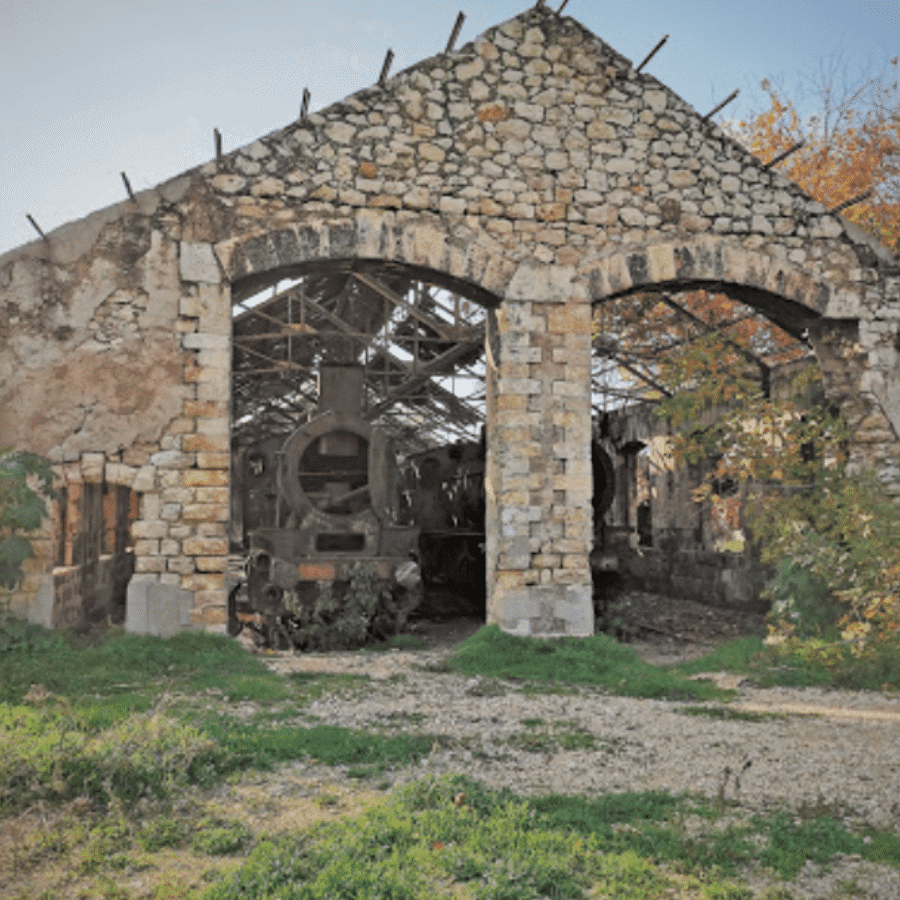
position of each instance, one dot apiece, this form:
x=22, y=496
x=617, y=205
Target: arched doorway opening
x=358, y=437
x=657, y=342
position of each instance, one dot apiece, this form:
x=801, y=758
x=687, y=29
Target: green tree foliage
x=22, y=507
x=830, y=534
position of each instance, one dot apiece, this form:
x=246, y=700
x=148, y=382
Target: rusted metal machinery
x=331, y=501
x=444, y=492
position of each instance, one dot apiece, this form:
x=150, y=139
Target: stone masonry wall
x=532, y=170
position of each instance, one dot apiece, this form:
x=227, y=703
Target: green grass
x=789, y=667
x=250, y=746
x=126, y=672
x=128, y=718
x=597, y=660
x=450, y=836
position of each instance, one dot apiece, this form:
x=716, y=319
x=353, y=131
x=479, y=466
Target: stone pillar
x=183, y=529
x=852, y=381
x=539, y=514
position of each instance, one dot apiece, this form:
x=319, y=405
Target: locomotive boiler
x=319, y=506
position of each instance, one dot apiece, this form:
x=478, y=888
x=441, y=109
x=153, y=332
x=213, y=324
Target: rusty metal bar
x=128, y=186
x=35, y=225
x=721, y=106
x=783, y=156
x=375, y=285
x=455, y=33
x=651, y=54
x=852, y=201
x=388, y=59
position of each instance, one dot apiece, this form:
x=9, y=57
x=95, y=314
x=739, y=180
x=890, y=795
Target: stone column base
x=157, y=609
x=545, y=611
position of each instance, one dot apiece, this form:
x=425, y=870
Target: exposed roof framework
x=635, y=337
x=421, y=347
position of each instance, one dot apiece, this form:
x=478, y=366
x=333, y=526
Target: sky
x=91, y=88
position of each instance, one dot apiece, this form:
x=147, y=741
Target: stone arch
x=754, y=273
x=826, y=313
x=464, y=259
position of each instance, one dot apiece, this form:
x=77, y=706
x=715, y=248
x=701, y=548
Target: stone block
x=205, y=408
x=144, y=480
x=569, y=318
x=205, y=478
x=147, y=564
x=205, y=546
x=205, y=341
x=149, y=528
x=157, y=609
x=197, y=262
x=205, y=512
x=212, y=494
x=205, y=443
x=212, y=580
x=211, y=563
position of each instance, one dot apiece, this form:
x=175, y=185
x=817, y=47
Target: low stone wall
x=730, y=580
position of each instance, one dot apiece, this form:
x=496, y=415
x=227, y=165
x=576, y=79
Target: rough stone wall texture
x=535, y=171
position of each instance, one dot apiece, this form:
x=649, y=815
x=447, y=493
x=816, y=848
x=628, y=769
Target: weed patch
x=247, y=746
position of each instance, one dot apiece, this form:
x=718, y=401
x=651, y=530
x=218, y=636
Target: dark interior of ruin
x=378, y=346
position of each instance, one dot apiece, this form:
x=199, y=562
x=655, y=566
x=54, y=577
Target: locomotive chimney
x=341, y=389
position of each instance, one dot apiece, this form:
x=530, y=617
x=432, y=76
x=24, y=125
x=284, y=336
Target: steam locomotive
x=315, y=507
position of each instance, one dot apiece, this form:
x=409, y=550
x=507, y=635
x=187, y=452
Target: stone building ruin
x=462, y=218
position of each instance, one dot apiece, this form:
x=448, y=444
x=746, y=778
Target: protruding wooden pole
x=128, y=185
x=722, y=105
x=217, y=138
x=852, y=201
x=388, y=59
x=783, y=156
x=651, y=54
x=37, y=227
x=562, y=7
x=304, y=105
x=455, y=33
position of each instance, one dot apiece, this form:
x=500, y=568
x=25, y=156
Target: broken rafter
x=304, y=105
x=35, y=225
x=714, y=329
x=852, y=201
x=629, y=365
x=386, y=67
x=651, y=54
x=127, y=185
x=784, y=155
x=455, y=33
x=721, y=106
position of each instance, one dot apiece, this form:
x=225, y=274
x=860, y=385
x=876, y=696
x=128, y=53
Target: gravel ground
x=809, y=749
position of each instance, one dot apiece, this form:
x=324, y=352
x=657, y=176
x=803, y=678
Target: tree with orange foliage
x=851, y=145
